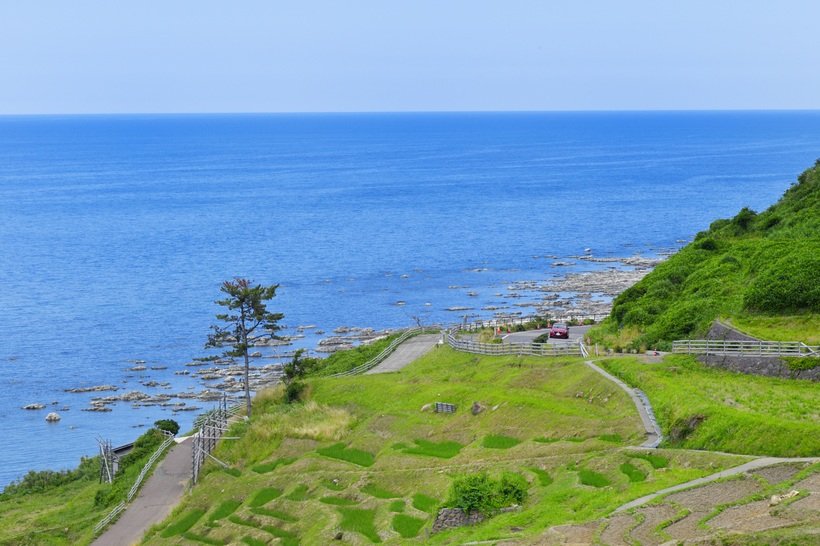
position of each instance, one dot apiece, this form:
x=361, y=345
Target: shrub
x=294, y=392
x=480, y=493
x=744, y=218
x=543, y=338
x=168, y=425
x=707, y=244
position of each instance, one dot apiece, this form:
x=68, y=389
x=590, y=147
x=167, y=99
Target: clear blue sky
x=83, y=56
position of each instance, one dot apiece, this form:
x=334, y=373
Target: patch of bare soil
x=777, y=474
x=804, y=509
x=811, y=483
x=687, y=528
x=754, y=516
x=704, y=499
x=654, y=516
x=570, y=535
x=616, y=529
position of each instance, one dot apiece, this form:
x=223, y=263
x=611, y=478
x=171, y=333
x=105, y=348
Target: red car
x=559, y=329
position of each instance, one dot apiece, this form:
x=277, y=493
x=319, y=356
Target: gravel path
x=156, y=499
x=406, y=353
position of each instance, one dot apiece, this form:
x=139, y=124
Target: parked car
x=559, y=330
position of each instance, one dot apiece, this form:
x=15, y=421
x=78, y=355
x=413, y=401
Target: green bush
x=168, y=425
x=294, y=391
x=480, y=493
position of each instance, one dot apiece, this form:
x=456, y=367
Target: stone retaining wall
x=770, y=366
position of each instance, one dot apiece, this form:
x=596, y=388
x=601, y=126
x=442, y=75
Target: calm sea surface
x=116, y=231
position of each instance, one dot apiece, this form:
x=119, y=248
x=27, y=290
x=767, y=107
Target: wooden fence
x=211, y=429
x=744, y=348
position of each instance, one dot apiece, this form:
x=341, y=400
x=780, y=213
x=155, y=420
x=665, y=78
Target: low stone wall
x=451, y=518
x=770, y=366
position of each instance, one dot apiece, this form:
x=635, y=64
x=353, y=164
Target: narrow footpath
x=159, y=495
x=650, y=424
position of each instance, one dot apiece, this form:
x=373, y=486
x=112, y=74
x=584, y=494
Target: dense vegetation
x=705, y=408
x=753, y=267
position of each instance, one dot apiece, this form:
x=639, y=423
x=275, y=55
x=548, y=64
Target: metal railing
x=744, y=348
x=376, y=360
x=522, y=349
x=169, y=438
x=503, y=322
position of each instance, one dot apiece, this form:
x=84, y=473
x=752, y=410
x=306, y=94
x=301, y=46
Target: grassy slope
x=63, y=515
x=758, y=269
x=380, y=415
x=743, y=413
x=67, y=514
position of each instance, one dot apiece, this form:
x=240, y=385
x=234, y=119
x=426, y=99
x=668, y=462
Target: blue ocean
x=116, y=231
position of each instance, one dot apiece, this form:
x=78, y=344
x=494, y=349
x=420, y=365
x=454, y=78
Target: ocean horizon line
x=410, y=112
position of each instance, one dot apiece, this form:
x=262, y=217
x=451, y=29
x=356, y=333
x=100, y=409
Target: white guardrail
x=744, y=348
x=524, y=349
x=169, y=438
x=373, y=362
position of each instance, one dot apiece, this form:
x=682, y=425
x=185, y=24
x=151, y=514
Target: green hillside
x=760, y=271
x=364, y=460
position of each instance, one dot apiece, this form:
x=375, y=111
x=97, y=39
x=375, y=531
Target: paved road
x=575, y=333
x=406, y=353
x=156, y=499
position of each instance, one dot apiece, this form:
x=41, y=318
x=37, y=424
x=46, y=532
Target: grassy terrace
x=362, y=458
x=705, y=408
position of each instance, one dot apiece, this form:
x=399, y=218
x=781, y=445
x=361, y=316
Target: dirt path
x=406, y=353
x=158, y=496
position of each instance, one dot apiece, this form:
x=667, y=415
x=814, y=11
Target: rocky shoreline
x=568, y=295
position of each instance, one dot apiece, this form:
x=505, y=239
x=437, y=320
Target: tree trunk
x=244, y=335
x=247, y=383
